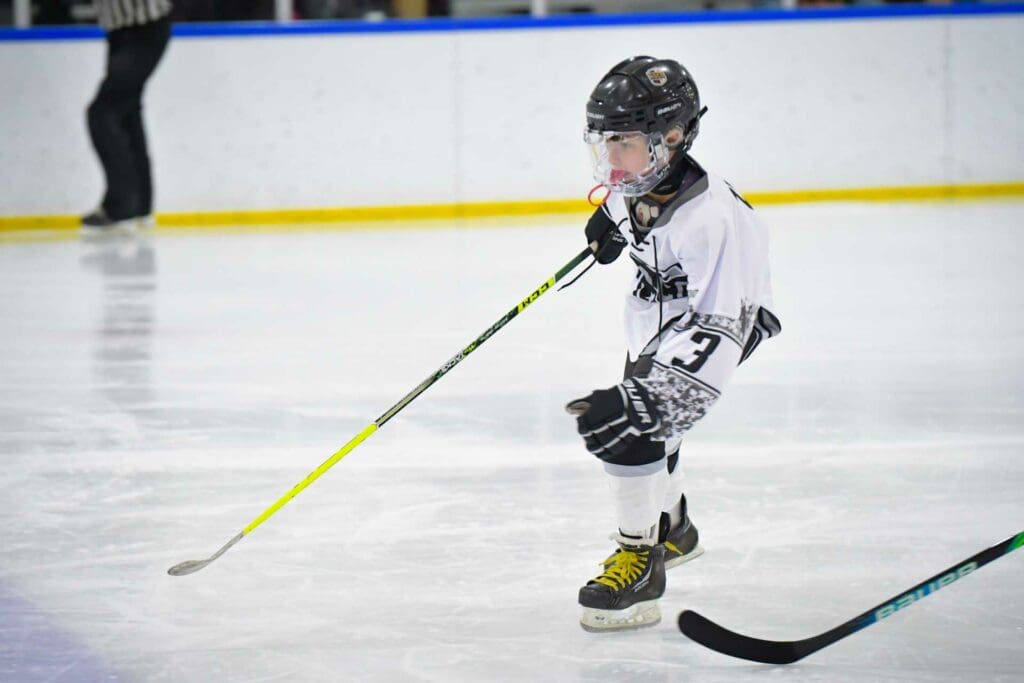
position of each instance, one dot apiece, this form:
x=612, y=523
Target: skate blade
x=640, y=615
x=118, y=230
x=676, y=561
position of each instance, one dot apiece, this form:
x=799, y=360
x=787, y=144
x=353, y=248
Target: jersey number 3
x=696, y=361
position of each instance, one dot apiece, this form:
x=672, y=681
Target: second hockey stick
x=711, y=635
x=191, y=566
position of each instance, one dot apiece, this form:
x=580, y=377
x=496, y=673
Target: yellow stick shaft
x=313, y=476
x=192, y=566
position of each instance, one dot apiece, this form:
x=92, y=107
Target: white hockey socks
x=673, y=495
x=638, y=494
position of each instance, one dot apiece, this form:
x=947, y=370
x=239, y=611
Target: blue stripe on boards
x=566, y=21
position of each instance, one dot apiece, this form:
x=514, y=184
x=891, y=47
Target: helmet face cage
x=631, y=163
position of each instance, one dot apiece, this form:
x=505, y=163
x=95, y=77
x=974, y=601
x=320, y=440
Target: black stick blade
x=712, y=636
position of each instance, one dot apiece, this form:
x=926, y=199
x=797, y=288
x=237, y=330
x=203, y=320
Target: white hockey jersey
x=699, y=302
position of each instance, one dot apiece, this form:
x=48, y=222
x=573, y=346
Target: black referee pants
x=115, y=117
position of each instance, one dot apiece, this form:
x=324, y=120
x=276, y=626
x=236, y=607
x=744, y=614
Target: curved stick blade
x=192, y=566
x=709, y=634
x=187, y=567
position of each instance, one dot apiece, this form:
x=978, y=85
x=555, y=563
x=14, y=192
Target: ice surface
x=157, y=394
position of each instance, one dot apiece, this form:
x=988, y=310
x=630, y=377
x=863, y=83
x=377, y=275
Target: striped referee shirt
x=115, y=14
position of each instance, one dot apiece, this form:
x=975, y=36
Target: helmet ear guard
x=680, y=134
x=692, y=128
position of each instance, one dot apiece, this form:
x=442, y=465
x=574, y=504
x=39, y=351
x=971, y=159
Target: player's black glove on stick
x=604, y=237
x=610, y=420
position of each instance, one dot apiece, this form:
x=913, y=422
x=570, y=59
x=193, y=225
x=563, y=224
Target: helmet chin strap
x=673, y=179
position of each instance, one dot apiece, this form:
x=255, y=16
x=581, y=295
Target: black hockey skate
x=98, y=223
x=625, y=596
x=681, y=542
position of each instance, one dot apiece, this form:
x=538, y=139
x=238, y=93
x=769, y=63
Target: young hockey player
x=696, y=308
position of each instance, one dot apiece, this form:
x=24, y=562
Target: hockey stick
x=190, y=566
x=711, y=635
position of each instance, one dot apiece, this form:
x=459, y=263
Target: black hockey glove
x=611, y=420
x=604, y=237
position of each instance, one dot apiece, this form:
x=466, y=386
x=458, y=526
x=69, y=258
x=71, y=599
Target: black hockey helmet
x=641, y=112
x=646, y=94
